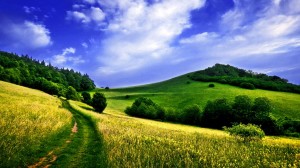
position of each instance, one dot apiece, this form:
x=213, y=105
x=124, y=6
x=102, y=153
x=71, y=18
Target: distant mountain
x=228, y=74
x=23, y=70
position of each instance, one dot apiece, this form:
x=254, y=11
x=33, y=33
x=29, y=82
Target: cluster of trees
x=35, y=74
x=227, y=74
x=219, y=113
x=98, y=102
x=145, y=108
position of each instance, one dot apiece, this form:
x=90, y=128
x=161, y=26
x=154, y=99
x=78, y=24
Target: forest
x=25, y=71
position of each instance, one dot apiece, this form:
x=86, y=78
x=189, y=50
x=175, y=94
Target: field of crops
x=133, y=142
x=29, y=121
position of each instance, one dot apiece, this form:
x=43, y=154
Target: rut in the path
x=84, y=148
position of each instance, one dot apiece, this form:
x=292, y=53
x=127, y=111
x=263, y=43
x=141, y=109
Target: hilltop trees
x=227, y=74
x=35, y=74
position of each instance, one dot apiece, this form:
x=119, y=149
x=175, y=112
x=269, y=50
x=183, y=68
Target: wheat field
x=134, y=142
x=29, y=120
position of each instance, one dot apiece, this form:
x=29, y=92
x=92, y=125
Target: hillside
x=178, y=94
x=181, y=91
x=30, y=122
x=40, y=130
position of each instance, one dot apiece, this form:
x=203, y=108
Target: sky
x=129, y=42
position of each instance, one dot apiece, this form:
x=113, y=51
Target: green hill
x=181, y=91
x=178, y=94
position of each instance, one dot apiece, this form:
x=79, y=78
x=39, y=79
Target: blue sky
x=129, y=42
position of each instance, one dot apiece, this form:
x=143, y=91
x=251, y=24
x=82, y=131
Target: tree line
x=227, y=74
x=219, y=113
x=26, y=71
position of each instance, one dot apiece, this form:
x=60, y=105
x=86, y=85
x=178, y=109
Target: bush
x=145, y=108
x=188, y=82
x=72, y=94
x=106, y=88
x=127, y=97
x=99, y=102
x=247, y=85
x=211, y=85
x=86, y=98
x=246, y=133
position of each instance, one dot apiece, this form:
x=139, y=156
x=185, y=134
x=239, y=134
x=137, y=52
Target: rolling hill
x=182, y=91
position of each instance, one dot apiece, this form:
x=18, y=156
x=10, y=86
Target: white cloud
x=66, y=58
x=86, y=15
x=89, y=1
x=271, y=31
x=28, y=35
x=84, y=45
x=141, y=34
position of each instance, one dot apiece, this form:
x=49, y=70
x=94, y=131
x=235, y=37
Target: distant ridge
x=228, y=74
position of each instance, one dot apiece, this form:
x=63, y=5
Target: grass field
x=176, y=93
x=134, y=142
x=30, y=120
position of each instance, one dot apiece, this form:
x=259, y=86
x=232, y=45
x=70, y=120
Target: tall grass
x=133, y=142
x=29, y=120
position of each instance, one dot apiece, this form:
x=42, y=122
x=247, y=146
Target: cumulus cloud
x=28, y=35
x=140, y=33
x=86, y=15
x=270, y=30
x=67, y=57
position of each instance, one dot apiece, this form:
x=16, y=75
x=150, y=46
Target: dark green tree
x=191, y=115
x=217, y=113
x=99, y=102
x=72, y=94
x=242, y=108
x=86, y=98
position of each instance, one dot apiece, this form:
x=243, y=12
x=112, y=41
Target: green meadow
x=180, y=92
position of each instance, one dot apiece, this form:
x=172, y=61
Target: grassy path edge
x=94, y=153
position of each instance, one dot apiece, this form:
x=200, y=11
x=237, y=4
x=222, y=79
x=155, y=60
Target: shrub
x=72, y=94
x=145, y=108
x=246, y=133
x=211, y=85
x=99, y=102
x=188, y=82
x=127, y=97
x=86, y=97
x=247, y=85
x=106, y=88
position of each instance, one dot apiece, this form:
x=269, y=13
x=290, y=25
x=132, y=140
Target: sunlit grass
x=176, y=93
x=28, y=119
x=134, y=142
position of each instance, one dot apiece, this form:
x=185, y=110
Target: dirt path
x=84, y=147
